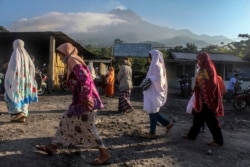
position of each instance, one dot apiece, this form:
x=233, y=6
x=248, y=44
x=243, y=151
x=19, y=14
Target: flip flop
x=17, y=116
x=213, y=143
x=148, y=136
x=169, y=126
x=45, y=149
x=21, y=120
x=98, y=161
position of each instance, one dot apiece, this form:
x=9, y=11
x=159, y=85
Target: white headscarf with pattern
x=20, y=84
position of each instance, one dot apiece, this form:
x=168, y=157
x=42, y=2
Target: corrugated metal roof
x=131, y=49
x=214, y=57
x=42, y=38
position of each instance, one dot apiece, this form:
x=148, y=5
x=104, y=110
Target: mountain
x=135, y=30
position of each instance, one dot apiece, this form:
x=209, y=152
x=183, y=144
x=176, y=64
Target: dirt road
x=121, y=136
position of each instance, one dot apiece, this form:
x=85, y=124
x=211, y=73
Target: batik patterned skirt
x=124, y=101
x=78, y=131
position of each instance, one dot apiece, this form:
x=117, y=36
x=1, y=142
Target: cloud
x=66, y=22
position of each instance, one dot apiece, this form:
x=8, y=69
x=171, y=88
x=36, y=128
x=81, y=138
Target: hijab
x=156, y=95
x=92, y=70
x=71, y=57
x=19, y=82
x=207, y=88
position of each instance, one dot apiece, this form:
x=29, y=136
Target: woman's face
x=149, y=58
x=60, y=55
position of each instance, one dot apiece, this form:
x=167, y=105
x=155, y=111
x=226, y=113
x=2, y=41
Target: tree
x=191, y=48
x=3, y=29
x=118, y=41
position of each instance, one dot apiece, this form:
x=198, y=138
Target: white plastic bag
x=190, y=104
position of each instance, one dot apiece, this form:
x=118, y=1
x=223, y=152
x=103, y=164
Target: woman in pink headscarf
x=208, y=101
x=156, y=95
x=77, y=125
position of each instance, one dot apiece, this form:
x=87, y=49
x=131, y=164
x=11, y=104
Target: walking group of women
x=77, y=125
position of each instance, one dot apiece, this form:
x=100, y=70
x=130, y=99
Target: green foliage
x=3, y=29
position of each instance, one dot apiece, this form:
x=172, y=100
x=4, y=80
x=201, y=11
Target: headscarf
x=110, y=77
x=71, y=57
x=92, y=70
x=207, y=88
x=156, y=95
x=20, y=84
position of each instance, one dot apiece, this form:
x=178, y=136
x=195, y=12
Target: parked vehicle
x=63, y=82
x=242, y=100
x=185, y=86
x=1, y=82
x=42, y=81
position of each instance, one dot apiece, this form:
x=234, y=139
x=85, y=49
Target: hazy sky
x=210, y=17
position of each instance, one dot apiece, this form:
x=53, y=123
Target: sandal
x=98, y=161
x=148, y=136
x=22, y=120
x=169, y=126
x=128, y=111
x=213, y=143
x=17, y=117
x=49, y=149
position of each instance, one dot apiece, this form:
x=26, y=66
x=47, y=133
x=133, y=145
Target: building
x=226, y=65
x=42, y=46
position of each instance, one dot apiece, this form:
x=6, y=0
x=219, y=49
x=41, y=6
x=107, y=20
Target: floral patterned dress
x=77, y=125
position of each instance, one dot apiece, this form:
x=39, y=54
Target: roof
x=131, y=49
x=43, y=38
x=215, y=57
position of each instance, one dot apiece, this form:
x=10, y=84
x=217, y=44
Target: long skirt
x=78, y=131
x=109, y=90
x=14, y=109
x=124, y=101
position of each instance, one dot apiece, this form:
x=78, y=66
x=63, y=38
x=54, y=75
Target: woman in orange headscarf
x=110, y=81
x=208, y=101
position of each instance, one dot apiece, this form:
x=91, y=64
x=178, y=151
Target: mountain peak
x=126, y=14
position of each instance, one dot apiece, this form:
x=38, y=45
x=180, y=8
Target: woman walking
x=208, y=101
x=110, y=81
x=77, y=126
x=20, y=84
x=156, y=95
x=125, y=87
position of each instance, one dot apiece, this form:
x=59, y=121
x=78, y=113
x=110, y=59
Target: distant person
x=20, y=84
x=92, y=70
x=208, y=101
x=77, y=126
x=231, y=87
x=110, y=82
x=156, y=95
x=124, y=78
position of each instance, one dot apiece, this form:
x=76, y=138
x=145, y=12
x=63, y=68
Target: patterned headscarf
x=207, y=88
x=20, y=84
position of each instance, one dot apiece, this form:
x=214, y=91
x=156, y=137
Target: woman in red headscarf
x=208, y=101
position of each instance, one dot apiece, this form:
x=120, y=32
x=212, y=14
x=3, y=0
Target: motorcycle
x=242, y=100
x=42, y=81
x=63, y=82
x=1, y=82
x=185, y=86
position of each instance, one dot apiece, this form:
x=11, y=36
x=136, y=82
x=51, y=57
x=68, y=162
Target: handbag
x=145, y=84
x=190, y=105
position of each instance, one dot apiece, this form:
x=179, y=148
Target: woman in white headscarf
x=156, y=95
x=92, y=70
x=20, y=84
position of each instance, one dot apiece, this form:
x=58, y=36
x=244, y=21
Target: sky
x=211, y=17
